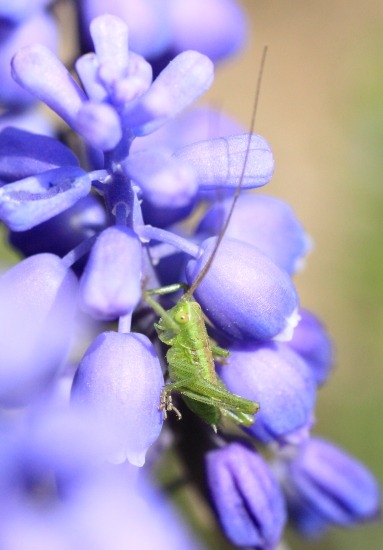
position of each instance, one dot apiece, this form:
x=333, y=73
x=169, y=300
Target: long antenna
x=206, y=267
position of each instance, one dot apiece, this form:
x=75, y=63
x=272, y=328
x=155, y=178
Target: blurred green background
x=321, y=109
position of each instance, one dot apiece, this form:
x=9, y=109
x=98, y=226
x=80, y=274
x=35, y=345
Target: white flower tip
x=287, y=333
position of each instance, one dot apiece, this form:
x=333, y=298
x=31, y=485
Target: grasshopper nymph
x=191, y=353
x=191, y=363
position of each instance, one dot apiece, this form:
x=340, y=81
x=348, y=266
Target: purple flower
x=247, y=498
x=38, y=298
x=264, y=222
x=311, y=341
x=256, y=301
x=120, y=380
x=276, y=377
x=335, y=486
x=111, y=283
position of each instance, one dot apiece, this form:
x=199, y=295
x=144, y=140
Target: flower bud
x=38, y=302
x=111, y=282
x=120, y=380
x=220, y=163
x=265, y=222
x=278, y=379
x=337, y=487
x=247, y=498
x=30, y=201
x=311, y=341
x=244, y=294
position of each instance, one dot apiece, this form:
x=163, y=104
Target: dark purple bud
x=38, y=300
x=30, y=201
x=111, y=283
x=265, y=222
x=120, y=380
x=333, y=484
x=24, y=154
x=165, y=182
x=244, y=293
x=311, y=341
x=278, y=379
x=220, y=163
x=247, y=498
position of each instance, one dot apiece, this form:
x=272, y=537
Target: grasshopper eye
x=182, y=317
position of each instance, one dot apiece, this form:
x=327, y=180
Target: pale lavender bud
x=38, y=299
x=120, y=379
x=40, y=28
x=111, y=283
x=110, y=38
x=99, y=124
x=165, y=182
x=223, y=162
x=181, y=82
x=39, y=72
x=30, y=201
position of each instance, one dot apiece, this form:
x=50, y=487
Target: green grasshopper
x=191, y=353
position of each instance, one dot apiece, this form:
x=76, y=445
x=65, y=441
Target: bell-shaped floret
x=24, y=154
x=247, y=498
x=165, y=182
x=181, y=82
x=221, y=27
x=33, y=200
x=277, y=378
x=244, y=293
x=335, y=486
x=222, y=163
x=120, y=380
x=111, y=283
x=40, y=28
x=265, y=222
x=311, y=341
x=38, y=302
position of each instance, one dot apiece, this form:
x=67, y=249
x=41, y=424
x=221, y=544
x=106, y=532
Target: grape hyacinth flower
x=100, y=226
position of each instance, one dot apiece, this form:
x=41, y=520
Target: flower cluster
x=101, y=228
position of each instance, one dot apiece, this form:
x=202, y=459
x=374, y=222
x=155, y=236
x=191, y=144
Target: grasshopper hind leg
x=166, y=404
